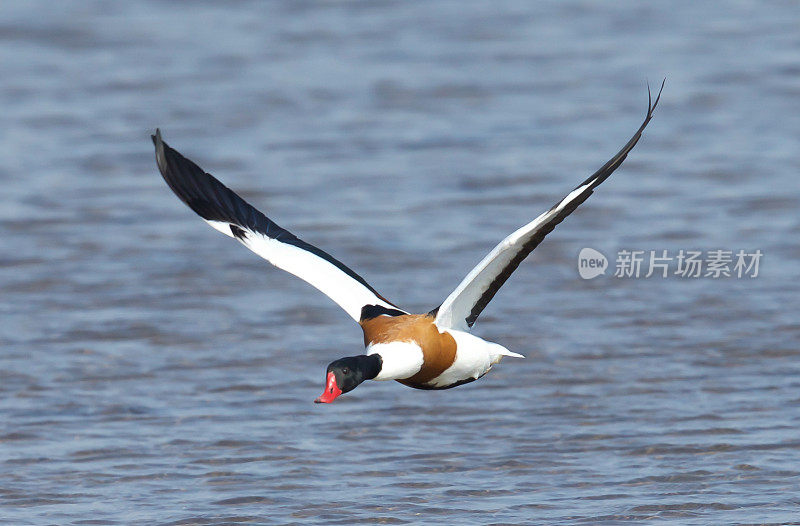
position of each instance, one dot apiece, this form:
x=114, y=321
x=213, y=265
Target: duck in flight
x=434, y=350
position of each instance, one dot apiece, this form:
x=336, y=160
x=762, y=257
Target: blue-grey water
x=152, y=371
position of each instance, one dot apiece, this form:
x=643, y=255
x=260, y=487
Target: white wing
x=233, y=216
x=463, y=306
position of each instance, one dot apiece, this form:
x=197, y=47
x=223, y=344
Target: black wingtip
x=651, y=106
x=658, y=97
x=161, y=159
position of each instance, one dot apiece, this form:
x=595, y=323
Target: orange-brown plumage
x=438, y=348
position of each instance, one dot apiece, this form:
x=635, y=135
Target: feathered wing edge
x=228, y=213
x=463, y=306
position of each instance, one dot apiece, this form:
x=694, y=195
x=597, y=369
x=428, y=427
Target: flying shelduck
x=434, y=350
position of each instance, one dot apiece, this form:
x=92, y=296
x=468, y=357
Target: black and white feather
x=463, y=306
x=233, y=216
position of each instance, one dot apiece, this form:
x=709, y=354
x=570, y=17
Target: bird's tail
x=499, y=351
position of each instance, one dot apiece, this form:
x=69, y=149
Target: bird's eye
x=345, y=371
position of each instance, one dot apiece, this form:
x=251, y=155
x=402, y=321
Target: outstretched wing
x=463, y=306
x=233, y=216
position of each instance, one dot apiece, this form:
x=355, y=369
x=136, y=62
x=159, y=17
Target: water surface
x=154, y=372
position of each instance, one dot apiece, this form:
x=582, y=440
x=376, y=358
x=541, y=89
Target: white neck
x=400, y=359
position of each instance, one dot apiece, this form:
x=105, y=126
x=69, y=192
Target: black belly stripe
x=428, y=387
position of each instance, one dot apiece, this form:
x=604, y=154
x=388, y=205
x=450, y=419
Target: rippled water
x=152, y=371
